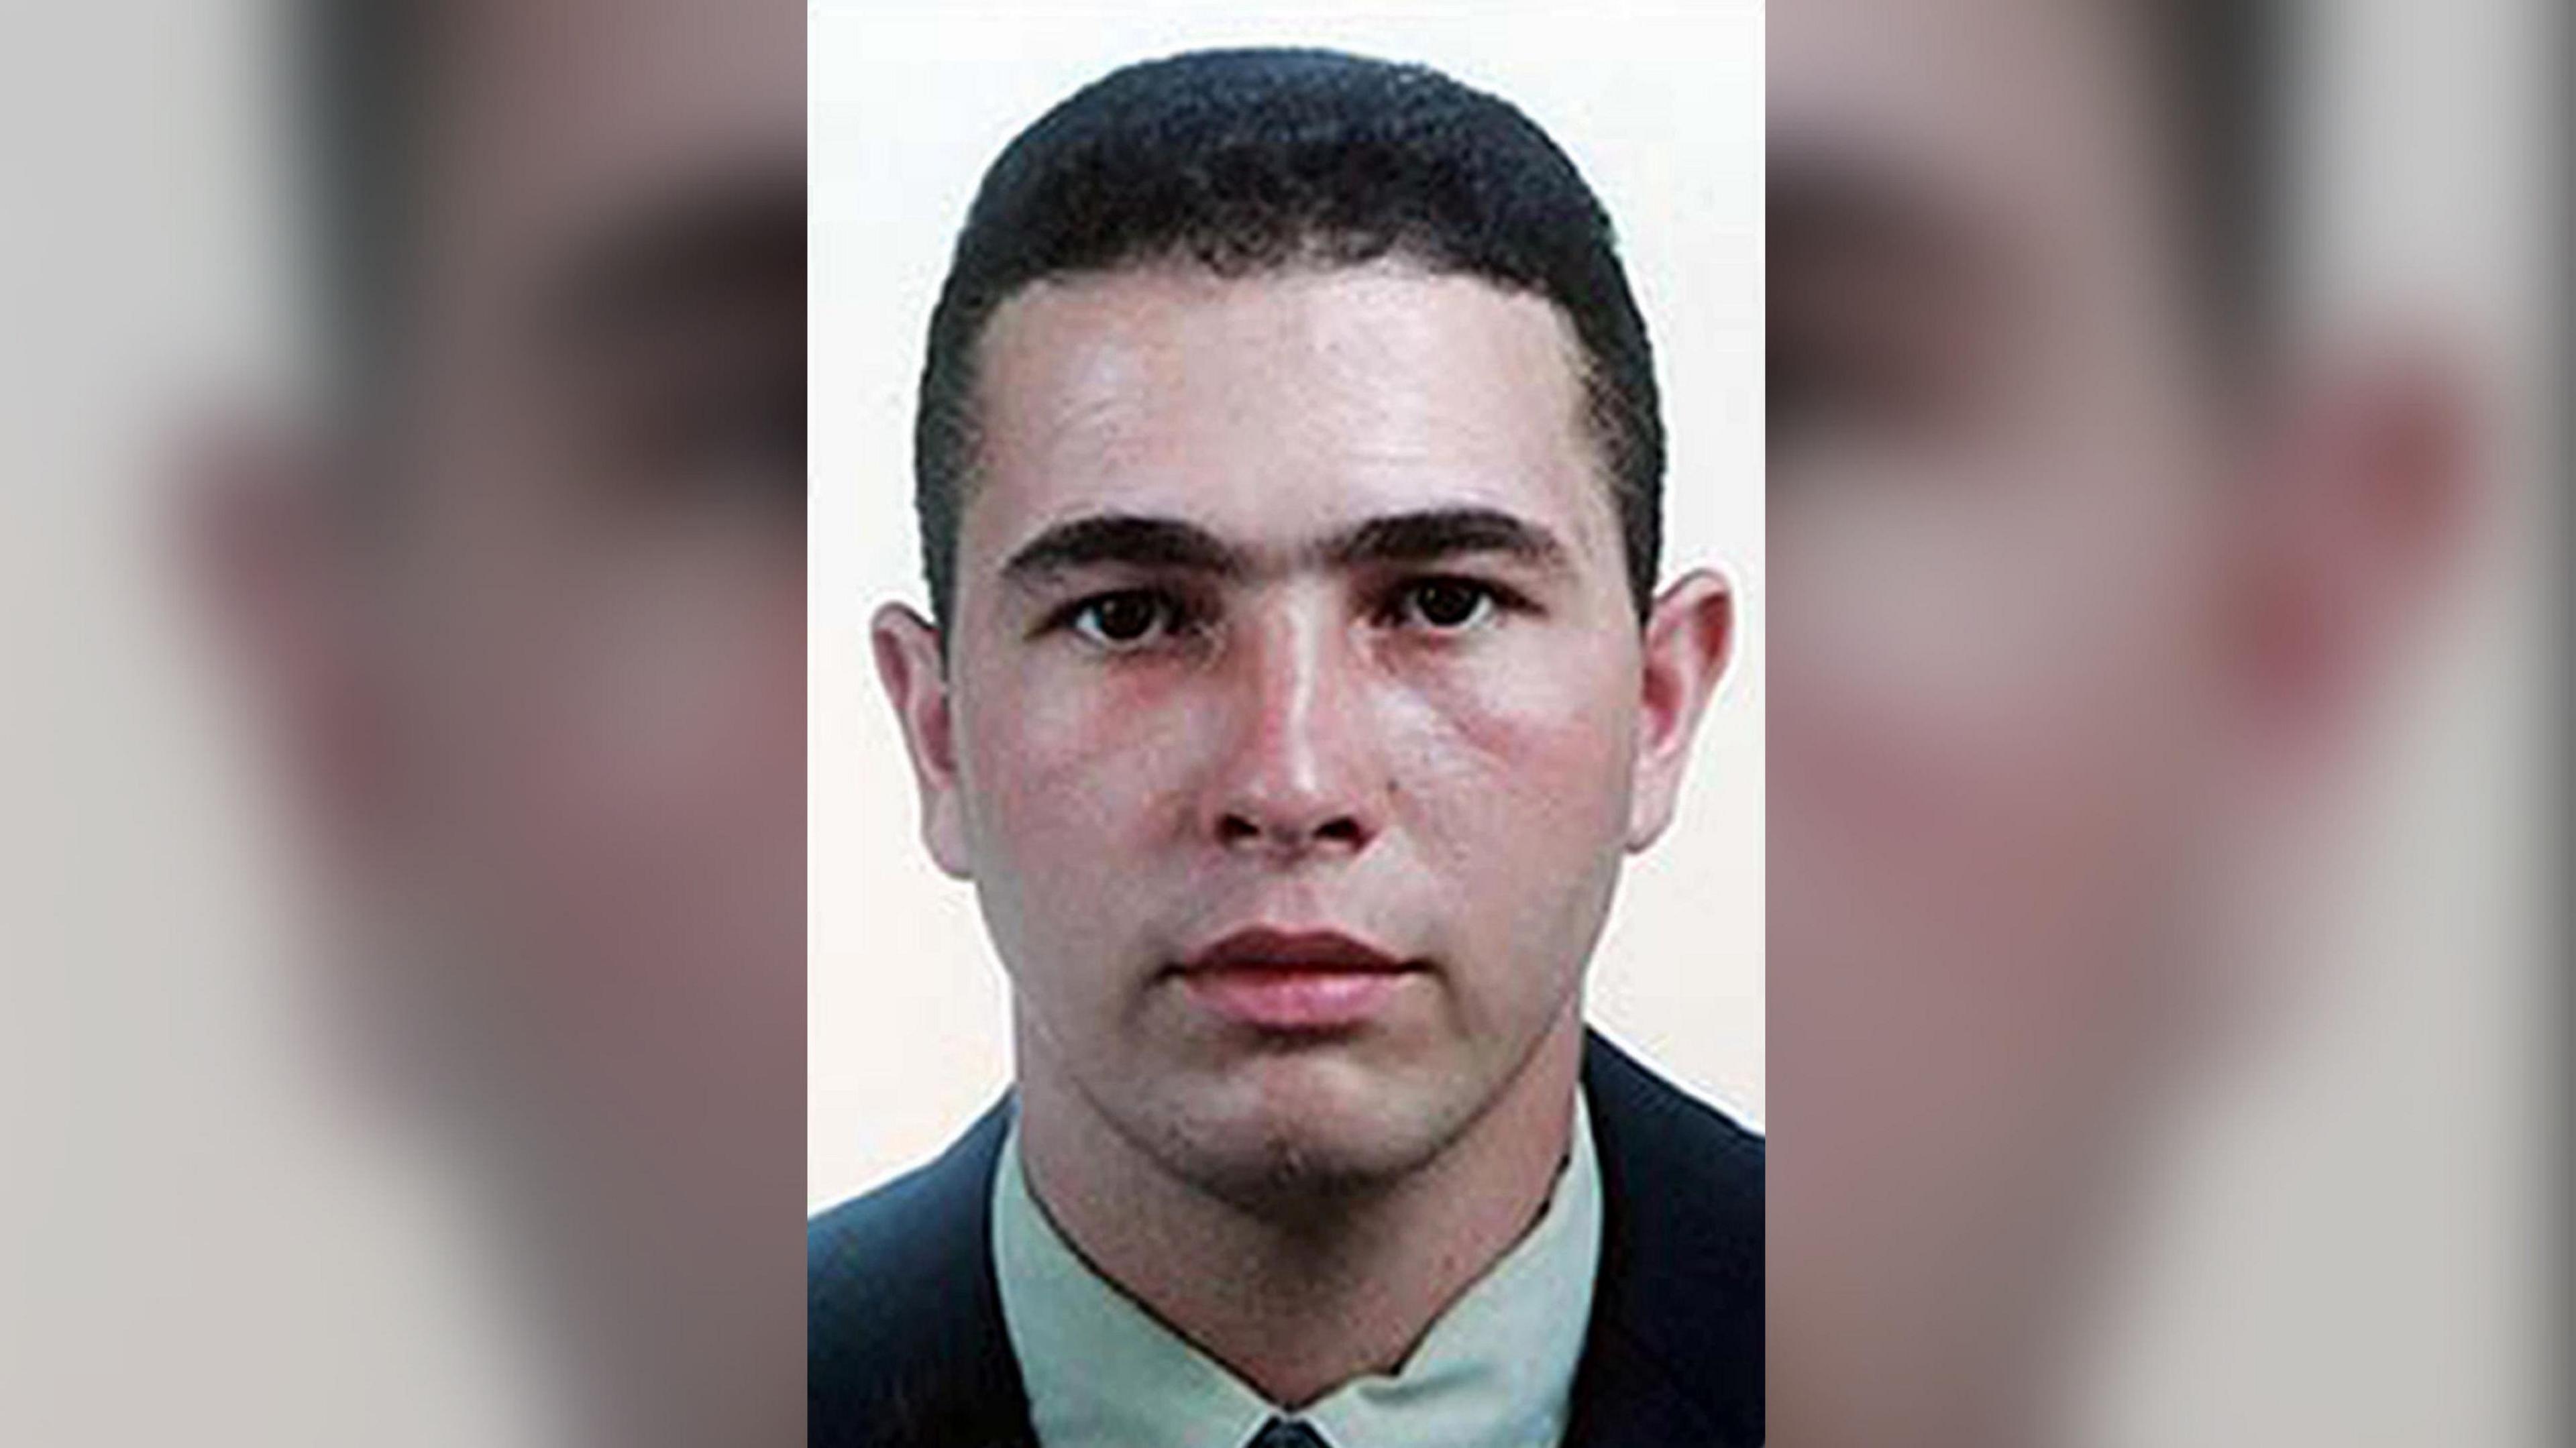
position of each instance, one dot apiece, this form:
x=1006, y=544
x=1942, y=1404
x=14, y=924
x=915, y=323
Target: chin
x=1311, y=1139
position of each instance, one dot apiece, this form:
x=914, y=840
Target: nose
x=1301, y=775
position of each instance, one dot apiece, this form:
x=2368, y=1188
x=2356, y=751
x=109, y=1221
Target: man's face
x=1294, y=691
x=2067, y=638
x=594, y=584
x=2000, y=538
x=548, y=676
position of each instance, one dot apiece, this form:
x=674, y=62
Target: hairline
x=1314, y=258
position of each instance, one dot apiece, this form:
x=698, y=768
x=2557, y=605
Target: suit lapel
x=1625, y=1398
x=1674, y=1353
x=909, y=1349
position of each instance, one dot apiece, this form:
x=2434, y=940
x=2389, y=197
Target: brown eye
x=1125, y=619
x=1445, y=603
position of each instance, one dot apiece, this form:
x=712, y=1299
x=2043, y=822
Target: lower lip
x=1289, y=999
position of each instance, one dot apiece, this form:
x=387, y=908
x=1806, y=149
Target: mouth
x=1295, y=981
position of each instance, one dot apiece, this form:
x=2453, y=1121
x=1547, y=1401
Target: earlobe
x=271, y=557
x=912, y=667
x=2366, y=495
x=1688, y=639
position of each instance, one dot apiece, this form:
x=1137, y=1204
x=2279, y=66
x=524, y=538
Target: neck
x=1298, y=1303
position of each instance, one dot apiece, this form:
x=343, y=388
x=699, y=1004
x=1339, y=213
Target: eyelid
x=1182, y=615
x=1503, y=597
x=1187, y=613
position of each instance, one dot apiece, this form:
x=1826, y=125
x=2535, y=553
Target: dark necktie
x=1287, y=1433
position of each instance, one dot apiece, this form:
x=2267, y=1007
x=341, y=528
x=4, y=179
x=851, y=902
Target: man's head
x=528, y=615
x=1254, y=162
x=1288, y=468
x=2069, y=592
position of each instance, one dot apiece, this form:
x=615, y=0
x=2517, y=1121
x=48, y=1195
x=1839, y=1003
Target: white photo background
x=1662, y=108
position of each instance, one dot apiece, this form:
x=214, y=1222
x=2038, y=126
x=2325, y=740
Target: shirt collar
x=1495, y=1371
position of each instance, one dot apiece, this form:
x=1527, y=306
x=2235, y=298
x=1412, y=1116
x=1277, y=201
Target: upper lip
x=1276, y=949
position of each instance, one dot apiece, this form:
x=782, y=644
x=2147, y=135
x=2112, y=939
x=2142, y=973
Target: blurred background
x=406, y=793
x=2363, y=1239
x=2166, y=462
x=403, y=901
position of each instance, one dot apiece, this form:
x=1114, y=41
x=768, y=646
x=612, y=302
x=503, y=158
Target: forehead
x=1280, y=403
x=2020, y=116
x=543, y=119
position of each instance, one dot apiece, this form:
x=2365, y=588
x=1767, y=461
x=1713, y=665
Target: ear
x=915, y=674
x=2360, y=502
x=271, y=542
x=1688, y=638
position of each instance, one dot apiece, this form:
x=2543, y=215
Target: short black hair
x=1255, y=160
x=362, y=75
x=2220, y=85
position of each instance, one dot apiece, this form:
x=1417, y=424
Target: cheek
x=1990, y=691
x=1987, y=747
x=1516, y=785
x=1518, y=757
x=1506, y=772
x=1075, y=791
x=613, y=798
x=637, y=723
x=1060, y=761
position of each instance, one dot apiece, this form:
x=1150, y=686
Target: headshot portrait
x=1290, y=644
x=1264, y=622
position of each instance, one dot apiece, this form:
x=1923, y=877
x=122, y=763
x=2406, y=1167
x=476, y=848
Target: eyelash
x=1492, y=600
x=1176, y=615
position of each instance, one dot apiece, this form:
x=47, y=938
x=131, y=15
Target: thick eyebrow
x=1123, y=539
x=1443, y=533
x=1827, y=211
x=1428, y=536
x=677, y=260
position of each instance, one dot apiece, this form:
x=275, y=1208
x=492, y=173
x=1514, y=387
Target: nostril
x=1342, y=831
x=1234, y=829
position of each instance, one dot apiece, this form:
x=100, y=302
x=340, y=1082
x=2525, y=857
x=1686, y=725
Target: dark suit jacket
x=906, y=1347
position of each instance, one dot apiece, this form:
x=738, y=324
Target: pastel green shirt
x=1496, y=1370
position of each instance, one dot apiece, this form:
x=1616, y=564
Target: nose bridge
x=1298, y=771
x=1292, y=671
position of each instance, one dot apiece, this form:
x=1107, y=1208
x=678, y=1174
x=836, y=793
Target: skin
x=2068, y=629
x=531, y=646
x=1441, y=748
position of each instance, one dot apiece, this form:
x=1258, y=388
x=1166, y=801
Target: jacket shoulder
x=905, y=1343
x=1709, y=1163
x=1676, y=1346
x=883, y=1247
